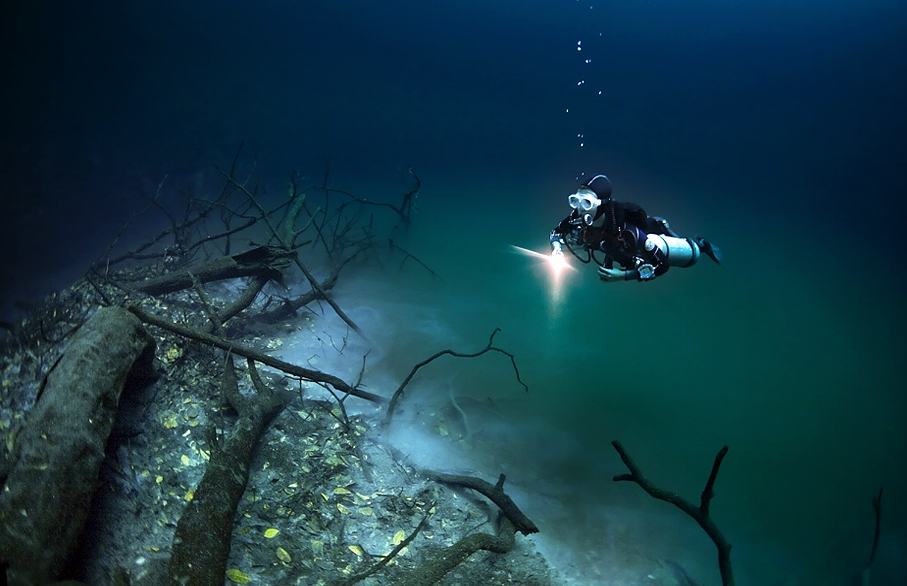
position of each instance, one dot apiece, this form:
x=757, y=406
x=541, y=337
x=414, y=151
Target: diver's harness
x=657, y=253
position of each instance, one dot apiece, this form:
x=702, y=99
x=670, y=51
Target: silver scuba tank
x=679, y=252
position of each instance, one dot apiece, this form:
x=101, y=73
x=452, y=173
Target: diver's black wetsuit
x=621, y=237
x=621, y=230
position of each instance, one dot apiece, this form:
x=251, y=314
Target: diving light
x=557, y=262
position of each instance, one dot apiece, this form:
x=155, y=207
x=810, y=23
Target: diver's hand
x=557, y=249
x=609, y=275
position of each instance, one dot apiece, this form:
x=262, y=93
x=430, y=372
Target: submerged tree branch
x=356, y=578
x=295, y=255
x=218, y=342
x=449, y=558
x=877, y=510
x=494, y=493
x=404, y=210
x=201, y=542
x=510, y=520
x=490, y=347
x=699, y=514
x=408, y=255
x=290, y=306
x=262, y=261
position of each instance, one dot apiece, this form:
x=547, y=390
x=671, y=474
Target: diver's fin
x=710, y=249
x=659, y=225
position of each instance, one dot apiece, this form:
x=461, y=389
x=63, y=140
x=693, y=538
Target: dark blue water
x=775, y=128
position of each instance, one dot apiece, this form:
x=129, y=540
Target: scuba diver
x=636, y=246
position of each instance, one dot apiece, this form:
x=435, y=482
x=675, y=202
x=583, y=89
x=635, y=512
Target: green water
x=789, y=357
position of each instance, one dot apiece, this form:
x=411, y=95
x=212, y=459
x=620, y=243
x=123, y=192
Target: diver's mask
x=586, y=203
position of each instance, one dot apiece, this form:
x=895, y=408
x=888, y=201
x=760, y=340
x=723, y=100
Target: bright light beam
x=556, y=263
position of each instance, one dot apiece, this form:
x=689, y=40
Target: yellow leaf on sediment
x=238, y=576
x=399, y=536
x=283, y=555
x=271, y=532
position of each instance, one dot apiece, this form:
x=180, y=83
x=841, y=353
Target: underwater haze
x=776, y=129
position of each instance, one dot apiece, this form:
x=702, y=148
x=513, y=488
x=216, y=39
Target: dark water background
x=775, y=128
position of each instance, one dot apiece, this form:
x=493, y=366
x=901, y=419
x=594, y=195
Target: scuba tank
x=679, y=252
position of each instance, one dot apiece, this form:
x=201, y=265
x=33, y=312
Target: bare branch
x=404, y=210
x=288, y=246
x=244, y=300
x=699, y=514
x=290, y=306
x=398, y=394
x=877, y=508
x=494, y=493
x=218, y=342
x=408, y=255
x=206, y=305
x=356, y=578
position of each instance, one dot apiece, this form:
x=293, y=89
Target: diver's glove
x=557, y=249
x=609, y=275
x=643, y=272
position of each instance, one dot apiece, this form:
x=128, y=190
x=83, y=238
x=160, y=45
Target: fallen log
x=263, y=261
x=201, y=544
x=53, y=474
